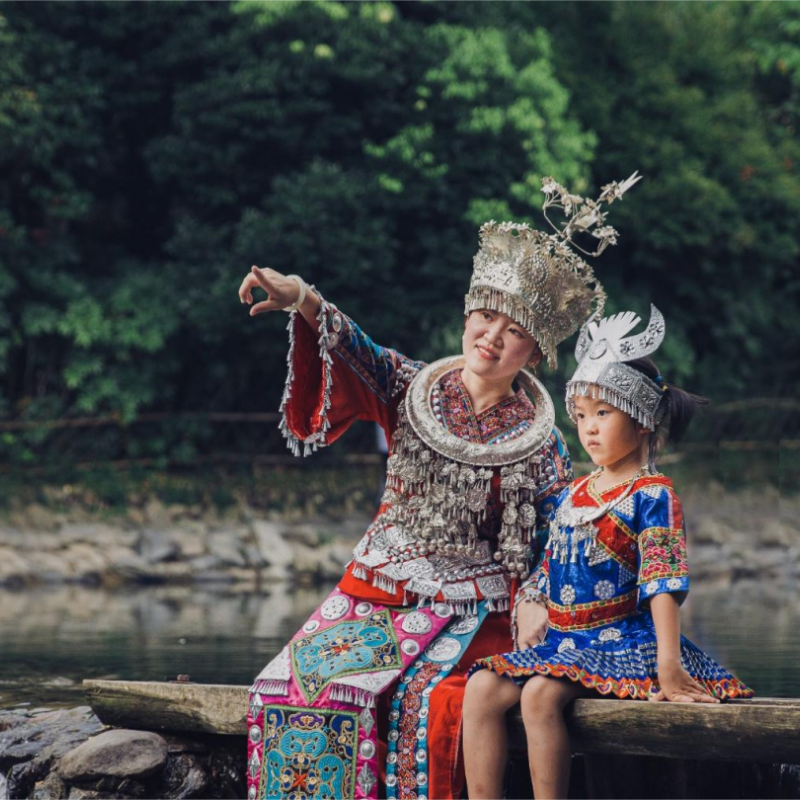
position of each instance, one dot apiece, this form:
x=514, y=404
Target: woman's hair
x=680, y=408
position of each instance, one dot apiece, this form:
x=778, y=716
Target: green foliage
x=150, y=155
x=711, y=235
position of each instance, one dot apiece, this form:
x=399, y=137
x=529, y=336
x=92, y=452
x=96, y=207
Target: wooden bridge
x=624, y=748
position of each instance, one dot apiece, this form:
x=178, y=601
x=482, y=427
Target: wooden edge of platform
x=762, y=729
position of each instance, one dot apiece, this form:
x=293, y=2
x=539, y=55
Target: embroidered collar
x=505, y=420
x=486, y=441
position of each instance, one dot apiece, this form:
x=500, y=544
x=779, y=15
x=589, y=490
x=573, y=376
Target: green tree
x=711, y=235
x=150, y=157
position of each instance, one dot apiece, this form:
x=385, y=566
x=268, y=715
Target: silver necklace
x=584, y=531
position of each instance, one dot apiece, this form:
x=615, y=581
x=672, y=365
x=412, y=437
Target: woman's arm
x=676, y=683
x=336, y=373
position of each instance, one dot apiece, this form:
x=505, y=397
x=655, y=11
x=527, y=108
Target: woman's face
x=496, y=347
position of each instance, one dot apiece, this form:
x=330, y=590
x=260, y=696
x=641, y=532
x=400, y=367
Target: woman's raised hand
x=281, y=291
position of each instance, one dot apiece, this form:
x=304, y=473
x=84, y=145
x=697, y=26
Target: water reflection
x=51, y=639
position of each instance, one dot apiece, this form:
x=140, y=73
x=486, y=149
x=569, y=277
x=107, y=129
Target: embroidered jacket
x=336, y=375
x=603, y=571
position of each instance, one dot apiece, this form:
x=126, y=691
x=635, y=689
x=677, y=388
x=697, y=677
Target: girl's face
x=496, y=347
x=609, y=436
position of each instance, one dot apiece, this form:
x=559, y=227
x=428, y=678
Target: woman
x=379, y=670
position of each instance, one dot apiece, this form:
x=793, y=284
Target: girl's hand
x=531, y=624
x=282, y=291
x=678, y=686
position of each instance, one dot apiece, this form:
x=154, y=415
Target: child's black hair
x=680, y=408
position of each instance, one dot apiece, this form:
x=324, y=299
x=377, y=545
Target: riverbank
x=175, y=545
x=732, y=535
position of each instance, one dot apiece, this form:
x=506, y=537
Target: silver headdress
x=601, y=351
x=537, y=278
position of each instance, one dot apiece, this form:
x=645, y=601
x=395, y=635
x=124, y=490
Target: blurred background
x=151, y=152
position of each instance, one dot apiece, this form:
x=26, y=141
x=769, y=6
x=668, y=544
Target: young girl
x=600, y=613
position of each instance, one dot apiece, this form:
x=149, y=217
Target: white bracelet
x=302, y=287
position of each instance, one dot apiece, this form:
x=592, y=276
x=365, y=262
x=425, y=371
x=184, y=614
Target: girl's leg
x=486, y=700
x=543, y=701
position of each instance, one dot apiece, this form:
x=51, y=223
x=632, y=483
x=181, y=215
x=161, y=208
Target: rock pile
x=68, y=755
x=173, y=545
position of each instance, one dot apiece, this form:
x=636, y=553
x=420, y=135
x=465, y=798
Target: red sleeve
x=336, y=375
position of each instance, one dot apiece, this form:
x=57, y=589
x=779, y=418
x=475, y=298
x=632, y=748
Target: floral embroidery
x=346, y=648
x=409, y=752
x=663, y=554
x=507, y=419
x=309, y=752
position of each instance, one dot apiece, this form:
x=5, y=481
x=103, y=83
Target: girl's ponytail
x=677, y=408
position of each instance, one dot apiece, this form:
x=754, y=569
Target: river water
x=51, y=639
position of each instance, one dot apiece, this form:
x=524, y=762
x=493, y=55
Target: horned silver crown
x=538, y=279
x=603, y=347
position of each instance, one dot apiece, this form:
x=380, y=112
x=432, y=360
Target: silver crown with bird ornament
x=603, y=347
x=537, y=278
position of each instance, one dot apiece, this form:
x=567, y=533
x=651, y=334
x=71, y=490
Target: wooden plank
x=762, y=730
x=152, y=706
x=765, y=731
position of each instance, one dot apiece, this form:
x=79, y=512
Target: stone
x=205, y=563
x=316, y=563
x=156, y=546
x=41, y=542
x=156, y=514
x=709, y=530
x=51, y=788
x=40, y=518
x=253, y=556
x=225, y=546
x=136, y=517
x=184, y=776
x=275, y=551
x=97, y=534
x=33, y=745
x=49, y=568
x=191, y=538
x=115, y=753
x=15, y=570
x=170, y=572
x=308, y=535
x=12, y=537
x=775, y=533
x=227, y=768
x=122, y=788
x=84, y=563
x=124, y=566
x=341, y=553
x=176, y=511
